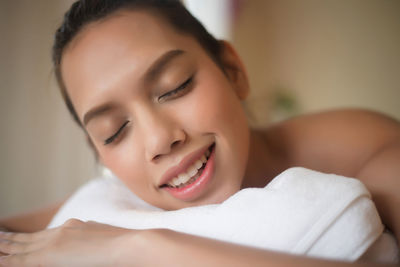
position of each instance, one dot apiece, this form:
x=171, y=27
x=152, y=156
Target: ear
x=235, y=70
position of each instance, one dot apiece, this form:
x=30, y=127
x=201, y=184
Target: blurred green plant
x=284, y=104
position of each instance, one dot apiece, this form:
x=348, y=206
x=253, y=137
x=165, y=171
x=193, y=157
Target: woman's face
x=160, y=113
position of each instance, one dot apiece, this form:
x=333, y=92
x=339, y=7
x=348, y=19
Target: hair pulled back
x=84, y=12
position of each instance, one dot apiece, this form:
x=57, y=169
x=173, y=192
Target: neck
x=265, y=160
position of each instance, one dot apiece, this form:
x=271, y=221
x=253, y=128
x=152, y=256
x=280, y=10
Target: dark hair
x=83, y=12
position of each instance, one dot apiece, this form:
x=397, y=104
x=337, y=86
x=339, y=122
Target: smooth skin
x=354, y=143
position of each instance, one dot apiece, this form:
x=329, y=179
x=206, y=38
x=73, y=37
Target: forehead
x=124, y=44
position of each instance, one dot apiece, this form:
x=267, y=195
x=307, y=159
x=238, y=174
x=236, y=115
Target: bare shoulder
x=339, y=141
x=344, y=123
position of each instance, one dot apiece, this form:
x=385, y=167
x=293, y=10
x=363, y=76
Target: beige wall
x=328, y=53
x=43, y=156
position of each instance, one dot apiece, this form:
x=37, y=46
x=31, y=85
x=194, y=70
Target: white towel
x=300, y=211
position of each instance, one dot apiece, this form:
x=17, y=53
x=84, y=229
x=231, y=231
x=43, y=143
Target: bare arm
x=177, y=249
x=79, y=243
x=30, y=222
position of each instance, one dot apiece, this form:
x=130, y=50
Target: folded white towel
x=300, y=211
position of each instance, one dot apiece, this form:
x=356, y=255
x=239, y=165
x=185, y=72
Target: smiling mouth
x=192, y=173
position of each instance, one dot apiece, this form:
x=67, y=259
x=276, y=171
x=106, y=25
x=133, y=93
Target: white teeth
x=198, y=164
x=175, y=182
x=190, y=172
x=183, y=178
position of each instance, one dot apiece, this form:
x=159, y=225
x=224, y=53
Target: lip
x=183, y=165
x=195, y=189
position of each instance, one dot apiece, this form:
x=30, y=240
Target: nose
x=162, y=134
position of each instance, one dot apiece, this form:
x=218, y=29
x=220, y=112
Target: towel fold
x=300, y=211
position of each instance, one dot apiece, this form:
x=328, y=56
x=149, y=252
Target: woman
x=155, y=92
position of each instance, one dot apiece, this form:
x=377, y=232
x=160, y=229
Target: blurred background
x=302, y=56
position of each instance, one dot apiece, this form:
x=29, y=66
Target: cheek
x=129, y=167
x=212, y=105
x=214, y=108
x=124, y=160
x=222, y=111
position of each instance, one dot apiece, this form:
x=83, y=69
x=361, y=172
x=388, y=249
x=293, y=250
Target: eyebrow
x=96, y=111
x=152, y=73
x=160, y=63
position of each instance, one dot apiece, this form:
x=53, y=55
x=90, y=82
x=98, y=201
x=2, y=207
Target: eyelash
x=114, y=136
x=172, y=94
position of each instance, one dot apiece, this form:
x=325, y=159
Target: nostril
x=174, y=144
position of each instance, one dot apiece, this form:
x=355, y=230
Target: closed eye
x=176, y=92
x=114, y=136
